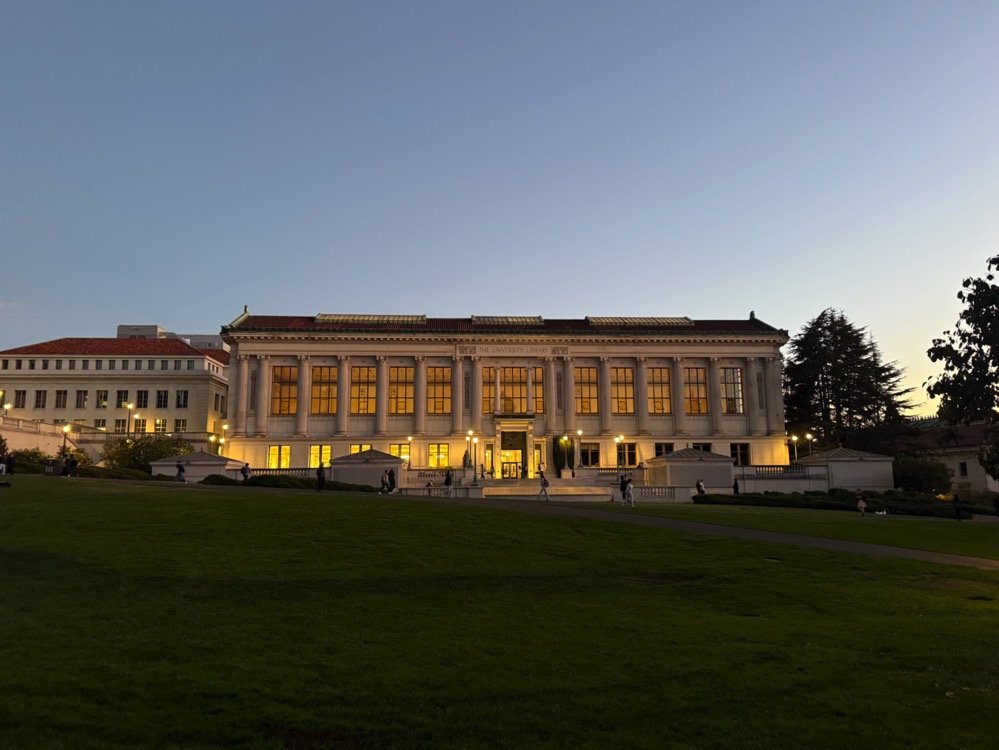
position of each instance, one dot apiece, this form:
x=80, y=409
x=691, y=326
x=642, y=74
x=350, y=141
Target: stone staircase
x=566, y=490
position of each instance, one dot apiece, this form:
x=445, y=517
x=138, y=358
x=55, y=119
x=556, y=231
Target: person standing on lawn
x=320, y=477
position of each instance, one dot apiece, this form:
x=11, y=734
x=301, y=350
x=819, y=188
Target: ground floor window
x=627, y=454
x=589, y=454
x=119, y=425
x=663, y=448
x=438, y=456
x=358, y=447
x=180, y=425
x=279, y=457
x=159, y=425
x=140, y=425
x=400, y=450
x=740, y=452
x=319, y=453
x=706, y=447
x=100, y=424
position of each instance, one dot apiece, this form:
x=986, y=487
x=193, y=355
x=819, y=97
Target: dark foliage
x=896, y=503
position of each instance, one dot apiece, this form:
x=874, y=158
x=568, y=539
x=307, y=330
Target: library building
x=506, y=395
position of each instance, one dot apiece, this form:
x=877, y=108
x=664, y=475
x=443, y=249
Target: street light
x=579, y=442
x=222, y=446
x=794, y=442
x=211, y=439
x=475, y=459
x=65, y=434
x=128, y=418
x=5, y=408
x=810, y=438
x=135, y=424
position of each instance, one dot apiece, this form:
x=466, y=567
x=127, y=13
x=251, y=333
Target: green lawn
x=978, y=537
x=169, y=616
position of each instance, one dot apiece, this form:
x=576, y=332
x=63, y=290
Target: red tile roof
x=112, y=347
x=582, y=326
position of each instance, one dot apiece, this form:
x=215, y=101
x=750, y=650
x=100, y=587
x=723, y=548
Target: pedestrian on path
x=320, y=477
x=862, y=506
x=544, y=486
x=449, y=483
x=629, y=493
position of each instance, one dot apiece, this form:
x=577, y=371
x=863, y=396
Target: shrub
x=920, y=474
x=901, y=503
x=110, y=472
x=219, y=479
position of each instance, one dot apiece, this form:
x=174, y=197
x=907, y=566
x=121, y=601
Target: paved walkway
x=835, y=545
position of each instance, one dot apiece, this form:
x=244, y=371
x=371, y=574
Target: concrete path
x=834, y=545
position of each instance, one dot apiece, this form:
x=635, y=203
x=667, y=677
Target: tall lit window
x=586, y=390
x=162, y=399
x=100, y=424
x=438, y=390
x=400, y=390
x=488, y=390
x=400, y=450
x=324, y=384
x=102, y=399
x=278, y=456
x=40, y=399
x=362, y=390
x=319, y=453
x=622, y=390
x=119, y=425
x=284, y=390
x=513, y=383
x=121, y=398
x=695, y=390
x=731, y=390
x=538, y=390
x=140, y=425
x=142, y=399
x=159, y=425
x=438, y=455
x=659, y=391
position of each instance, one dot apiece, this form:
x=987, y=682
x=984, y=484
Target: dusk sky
x=170, y=162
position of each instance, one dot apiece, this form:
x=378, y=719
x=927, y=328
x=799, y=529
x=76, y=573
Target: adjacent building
x=505, y=394
x=103, y=386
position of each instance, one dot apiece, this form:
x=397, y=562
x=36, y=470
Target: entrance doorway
x=513, y=454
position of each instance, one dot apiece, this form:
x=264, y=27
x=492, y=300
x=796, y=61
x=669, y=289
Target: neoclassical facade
x=614, y=391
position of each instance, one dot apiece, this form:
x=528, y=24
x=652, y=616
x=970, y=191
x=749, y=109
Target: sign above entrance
x=514, y=350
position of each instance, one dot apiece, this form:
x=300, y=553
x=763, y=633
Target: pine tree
x=836, y=383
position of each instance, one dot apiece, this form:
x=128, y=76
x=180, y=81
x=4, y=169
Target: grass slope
x=185, y=617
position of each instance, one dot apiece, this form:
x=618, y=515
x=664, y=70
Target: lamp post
x=5, y=408
x=617, y=449
x=222, y=446
x=409, y=455
x=128, y=419
x=810, y=438
x=65, y=434
x=135, y=424
x=565, y=453
x=475, y=460
x=794, y=442
x=211, y=440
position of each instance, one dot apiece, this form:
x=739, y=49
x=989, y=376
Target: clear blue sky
x=170, y=162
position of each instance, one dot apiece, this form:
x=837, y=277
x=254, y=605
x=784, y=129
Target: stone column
x=641, y=396
x=774, y=396
x=477, y=397
x=457, y=397
x=530, y=388
x=242, y=394
x=752, y=394
x=381, y=396
x=304, y=396
x=263, y=395
x=569, y=395
x=604, y=397
x=714, y=396
x=676, y=386
x=551, y=427
x=420, y=397
x=342, y=394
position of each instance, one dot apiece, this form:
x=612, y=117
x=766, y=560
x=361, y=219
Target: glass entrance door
x=512, y=464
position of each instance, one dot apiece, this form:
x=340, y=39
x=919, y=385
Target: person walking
x=180, y=473
x=862, y=506
x=623, y=485
x=391, y=481
x=320, y=477
x=449, y=483
x=245, y=471
x=544, y=486
x=700, y=486
x=384, y=488
x=629, y=493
